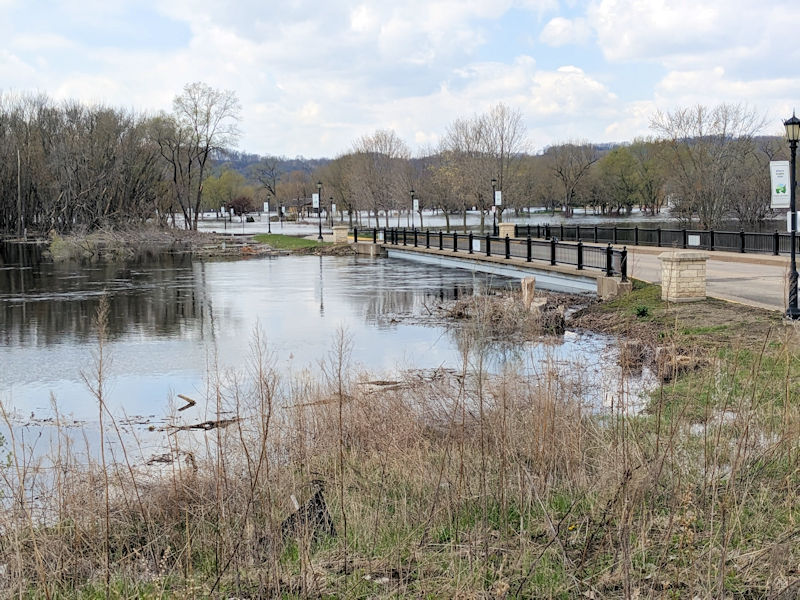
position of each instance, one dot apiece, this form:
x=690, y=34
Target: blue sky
x=314, y=76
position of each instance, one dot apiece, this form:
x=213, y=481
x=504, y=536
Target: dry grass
x=465, y=484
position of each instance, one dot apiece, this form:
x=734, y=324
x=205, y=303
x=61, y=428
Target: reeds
x=466, y=483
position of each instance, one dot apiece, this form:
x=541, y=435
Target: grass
x=287, y=242
x=464, y=484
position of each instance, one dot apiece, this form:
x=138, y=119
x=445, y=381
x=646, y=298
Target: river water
x=171, y=319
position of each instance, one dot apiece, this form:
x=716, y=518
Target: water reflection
x=169, y=318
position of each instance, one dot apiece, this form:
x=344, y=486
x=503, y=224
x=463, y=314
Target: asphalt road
x=749, y=279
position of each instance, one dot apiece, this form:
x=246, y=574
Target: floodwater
x=174, y=320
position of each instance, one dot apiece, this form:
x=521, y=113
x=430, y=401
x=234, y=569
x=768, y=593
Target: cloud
x=560, y=32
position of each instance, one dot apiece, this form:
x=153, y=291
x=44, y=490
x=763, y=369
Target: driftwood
x=189, y=402
x=206, y=425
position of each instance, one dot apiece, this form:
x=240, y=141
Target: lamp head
x=494, y=182
x=792, y=128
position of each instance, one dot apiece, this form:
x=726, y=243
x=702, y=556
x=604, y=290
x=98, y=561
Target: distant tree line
x=84, y=167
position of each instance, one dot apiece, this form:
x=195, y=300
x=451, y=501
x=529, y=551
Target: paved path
x=752, y=279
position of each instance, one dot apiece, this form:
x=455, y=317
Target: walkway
x=758, y=280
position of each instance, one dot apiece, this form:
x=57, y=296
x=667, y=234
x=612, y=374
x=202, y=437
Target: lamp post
x=412, y=209
x=494, y=208
x=330, y=208
x=792, y=135
x=319, y=208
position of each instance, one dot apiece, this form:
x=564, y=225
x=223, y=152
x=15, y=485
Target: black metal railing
x=702, y=239
x=612, y=260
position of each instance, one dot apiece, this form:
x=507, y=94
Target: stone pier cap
x=683, y=275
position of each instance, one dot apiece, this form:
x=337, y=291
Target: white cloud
x=560, y=32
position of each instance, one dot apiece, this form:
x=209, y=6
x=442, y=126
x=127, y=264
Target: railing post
x=374, y=235
x=561, y=237
x=658, y=237
x=538, y=231
x=529, y=249
x=623, y=263
x=508, y=247
x=470, y=242
x=580, y=255
x=636, y=235
x=609, y=261
x=455, y=242
x=427, y=238
x=355, y=234
x=488, y=245
x=552, y=251
x=685, y=240
x=516, y=230
x=711, y=239
x=615, y=234
x=577, y=233
x=385, y=241
x=595, y=234
x=547, y=231
x=776, y=243
x=415, y=237
x=404, y=236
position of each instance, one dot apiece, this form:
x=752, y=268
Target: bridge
x=758, y=280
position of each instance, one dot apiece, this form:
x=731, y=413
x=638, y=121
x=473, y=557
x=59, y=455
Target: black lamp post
x=793, y=135
x=330, y=208
x=319, y=208
x=412, y=209
x=494, y=208
x=269, y=223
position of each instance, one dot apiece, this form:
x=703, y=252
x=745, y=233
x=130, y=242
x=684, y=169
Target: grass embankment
x=288, y=242
x=451, y=484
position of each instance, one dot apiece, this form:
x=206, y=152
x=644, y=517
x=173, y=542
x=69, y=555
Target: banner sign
x=315, y=200
x=266, y=207
x=498, y=198
x=779, y=176
x=416, y=204
x=333, y=208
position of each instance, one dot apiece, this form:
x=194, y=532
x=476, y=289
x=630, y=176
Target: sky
x=313, y=76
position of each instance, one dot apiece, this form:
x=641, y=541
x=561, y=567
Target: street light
x=330, y=209
x=412, y=209
x=793, y=135
x=319, y=208
x=494, y=208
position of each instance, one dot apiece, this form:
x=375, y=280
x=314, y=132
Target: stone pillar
x=683, y=275
x=340, y=234
x=506, y=229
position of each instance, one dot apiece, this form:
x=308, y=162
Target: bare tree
x=707, y=146
x=570, y=162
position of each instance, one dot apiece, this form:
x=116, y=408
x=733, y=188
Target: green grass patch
x=287, y=242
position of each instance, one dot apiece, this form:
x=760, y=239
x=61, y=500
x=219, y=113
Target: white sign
x=498, y=198
x=283, y=210
x=476, y=245
x=416, y=204
x=694, y=240
x=333, y=208
x=266, y=207
x=779, y=176
x=315, y=200
x=789, y=224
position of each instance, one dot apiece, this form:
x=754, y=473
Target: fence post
x=404, y=236
x=623, y=263
x=577, y=233
x=516, y=230
x=609, y=261
x=355, y=234
x=470, y=242
x=711, y=239
x=658, y=231
x=488, y=245
x=538, y=231
x=580, y=255
x=528, y=243
x=552, y=251
x=776, y=243
x=547, y=231
x=615, y=234
x=561, y=236
x=508, y=247
x=685, y=240
x=441, y=246
x=595, y=234
x=374, y=235
x=415, y=237
x=427, y=238
x=455, y=242
x=636, y=235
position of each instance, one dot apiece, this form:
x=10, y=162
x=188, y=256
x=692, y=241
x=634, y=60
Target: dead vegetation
x=442, y=484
